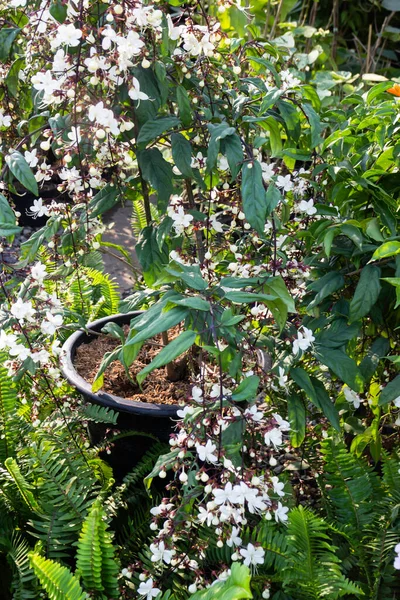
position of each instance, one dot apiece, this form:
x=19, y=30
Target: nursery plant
x=265, y=195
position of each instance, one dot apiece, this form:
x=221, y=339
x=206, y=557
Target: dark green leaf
x=326, y=285
x=7, y=36
x=58, y=11
x=174, y=349
x=185, y=111
x=151, y=257
x=315, y=124
x=193, y=302
x=191, y=276
x=297, y=419
x=272, y=199
x=231, y=147
x=22, y=172
x=103, y=200
x=254, y=196
x=390, y=392
x=370, y=362
x=218, y=133
x=158, y=172
x=317, y=394
x=247, y=389
x=165, y=321
x=366, y=294
x=343, y=366
x=182, y=154
x=291, y=118
x=151, y=130
x=248, y=297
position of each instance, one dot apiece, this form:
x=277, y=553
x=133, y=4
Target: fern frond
x=351, y=486
x=8, y=403
x=57, y=581
x=138, y=220
x=95, y=554
x=96, y=413
x=24, y=580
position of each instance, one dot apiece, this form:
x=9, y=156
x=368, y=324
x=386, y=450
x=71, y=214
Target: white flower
x=273, y=437
x=75, y=135
x=174, y=33
x=307, y=207
x=253, y=414
x=22, y=310
x=351, y=397
x=18, y=3
x=278, y=486
x=51, y=324
x=206, y=453
x=20, y=352
x=304, y=340
x=267, y=171
x=396, y=402
x=5, y=120
x=135, y=92
x=41, y=356
x=216, y=391
x=60, y=61
x=216, y=225
x=191, y=44
x=103, y=116
x=288, y=80
x=38, y=272
x=234, y=539
x=146, y=588
x=224, y=495
x=282, y=424
x=181, y=219
x=31, y=158
x=187, y=410
x=282, y=378
x=67, y=34
x=396, y=564
x=160, y=553
x=197, y=394
x=281, y=513
x=197, y=161
x=284, y=182
x=252, y=555
x=7, y=340
x=223, y=164
x=205, y=516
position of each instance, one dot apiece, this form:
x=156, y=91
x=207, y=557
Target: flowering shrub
x=266, y=210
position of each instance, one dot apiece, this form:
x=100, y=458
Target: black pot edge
x=109, y=400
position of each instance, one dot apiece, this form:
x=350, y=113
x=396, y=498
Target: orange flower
x=395, y=90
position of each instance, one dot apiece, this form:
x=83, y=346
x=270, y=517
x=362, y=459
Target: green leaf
x=22, y=172
x=326, y=285
x=152, y=129
x=105, y=199
x=231, y=147
x=272, y=199
x=7, y=36
x=218, y=133
x=178, y=346
x=108, y=358
x=57, y=581
x=191, y=276
x=291, y=118
x=158, y=172
x=182, y=154
x=396, y=282
x=58, y=11
x=275, y=139
x=236, y=587
x=297, y=419
x=185, y=111
x=386, y=250
x=370, y=362
x=247, y=389
x=165, y=462
x=390, y=392
x=315, y=124
x=254, y=196
x=366, y=294
x=248, y=297
x=193, y=302
x=343, y=366
x=163, y=322
x=317, y=394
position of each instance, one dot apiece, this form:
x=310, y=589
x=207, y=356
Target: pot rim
x=102, y=398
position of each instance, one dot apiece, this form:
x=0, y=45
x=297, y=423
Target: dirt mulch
x=156, y=388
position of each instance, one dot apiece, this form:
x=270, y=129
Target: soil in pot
x=156, y=388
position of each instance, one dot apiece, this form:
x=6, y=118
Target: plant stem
x=198, y=235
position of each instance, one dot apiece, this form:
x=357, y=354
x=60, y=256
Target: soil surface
x=156, y=388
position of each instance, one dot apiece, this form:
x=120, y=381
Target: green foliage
x=58, y=581
x=236, y=587
x=95, y=554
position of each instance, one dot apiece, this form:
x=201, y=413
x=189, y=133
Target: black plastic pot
x=154, y=419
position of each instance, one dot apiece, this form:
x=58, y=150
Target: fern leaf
x=57, y=581
x=95, y=554
x=8, y=402
x=23, y=486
